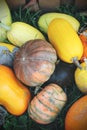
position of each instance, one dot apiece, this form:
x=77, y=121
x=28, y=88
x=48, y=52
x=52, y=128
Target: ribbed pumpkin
x=65, y=40
x=76, y=117
x=35, y=62
x=47, y=104
x=14, y=96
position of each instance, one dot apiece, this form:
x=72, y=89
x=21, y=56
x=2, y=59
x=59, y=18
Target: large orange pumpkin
x=76, y=117
x=35, y=62
x=47, y=104
x=14, y=96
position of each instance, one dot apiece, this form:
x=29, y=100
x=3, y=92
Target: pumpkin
x=35, y=62
x=47, y=104
x=14, y=96
x=81, y=78
x=83, y=37
x=65, y=40
x=76, y=117
x=7, y=52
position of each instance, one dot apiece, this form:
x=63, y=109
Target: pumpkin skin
x=14, y=96
x=83, y=37
x=35, y=62
x=47, y=104
x=7, y=52
x=76, y=117
x=65, y=40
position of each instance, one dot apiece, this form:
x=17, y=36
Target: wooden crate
x=46, y=4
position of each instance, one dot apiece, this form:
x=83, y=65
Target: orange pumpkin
x=35, y=62
x=14, y=96
x=76, y=117
x=83, y=37
x=47, y=104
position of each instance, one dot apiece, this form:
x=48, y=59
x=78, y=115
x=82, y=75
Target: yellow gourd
x=19, y=33
x=5, y=18
x=81, y=77
x=45, y=19
x=65, y=40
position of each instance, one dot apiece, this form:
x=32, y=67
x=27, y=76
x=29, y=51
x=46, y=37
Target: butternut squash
x=65, y=40
x=14, y=96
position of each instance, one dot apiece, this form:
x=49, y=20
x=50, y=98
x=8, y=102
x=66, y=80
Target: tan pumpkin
x=47, y=104
x=35, y=62
x=14, y=96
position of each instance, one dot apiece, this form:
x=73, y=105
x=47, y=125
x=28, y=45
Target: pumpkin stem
x=7, y=28
x=76, y=62
x=37, y=89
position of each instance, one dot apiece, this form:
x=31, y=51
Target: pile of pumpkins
x=29, y=61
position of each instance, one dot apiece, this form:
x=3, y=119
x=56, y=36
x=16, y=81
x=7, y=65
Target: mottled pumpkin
x=35, y=62
x=47, y=104
x=76, y=117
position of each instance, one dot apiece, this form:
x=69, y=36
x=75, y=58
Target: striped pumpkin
x=47, y=104
x=34, y=63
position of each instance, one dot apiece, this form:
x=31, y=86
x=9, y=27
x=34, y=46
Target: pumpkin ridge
x=31, y=110
x=54, y=97
x=52, y=101
x=39, y=118
x=37, y=115
x=52, y=60
x=48, y=107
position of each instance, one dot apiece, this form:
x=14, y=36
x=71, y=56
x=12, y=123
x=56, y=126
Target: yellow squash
x=65, y=40
x=46, y=18
x=5, y=18
x=19, y=33
x=81, y=78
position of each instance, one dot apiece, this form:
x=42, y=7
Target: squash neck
x=6, y=27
